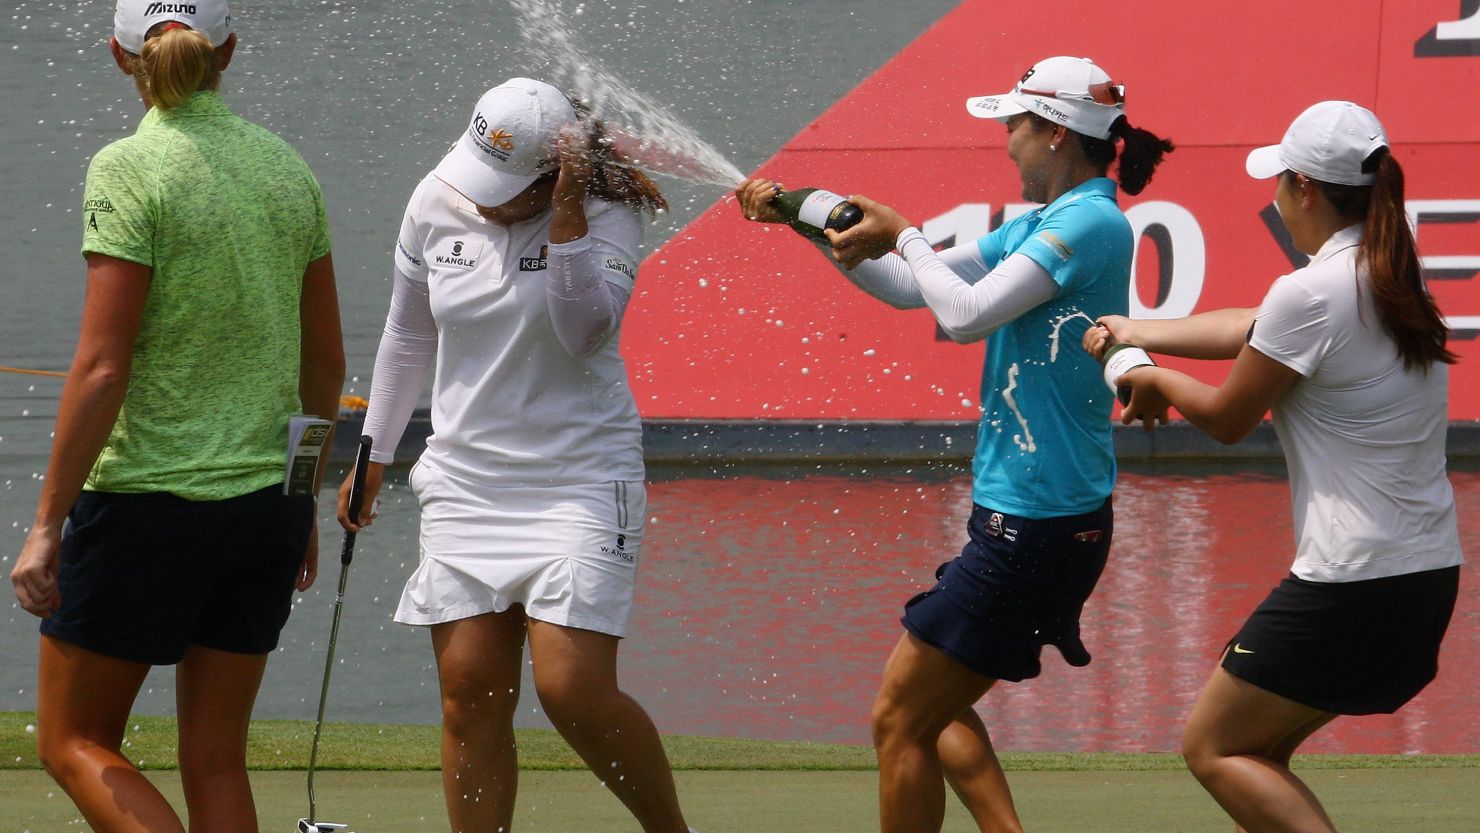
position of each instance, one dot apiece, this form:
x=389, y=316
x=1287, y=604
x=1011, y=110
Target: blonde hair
x=175, y=64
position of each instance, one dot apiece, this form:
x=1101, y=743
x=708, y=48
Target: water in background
x=655, y=135
x=767, y=599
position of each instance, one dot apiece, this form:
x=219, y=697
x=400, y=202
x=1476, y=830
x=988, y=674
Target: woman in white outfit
x=1350, y=354
x=514, y=265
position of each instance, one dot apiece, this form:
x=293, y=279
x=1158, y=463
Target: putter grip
x=356, y=496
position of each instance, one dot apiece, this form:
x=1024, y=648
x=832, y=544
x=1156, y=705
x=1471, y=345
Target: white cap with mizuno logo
x=132, y=20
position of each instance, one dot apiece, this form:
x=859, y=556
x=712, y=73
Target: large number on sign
x=1464, y=29
x=1181, y=256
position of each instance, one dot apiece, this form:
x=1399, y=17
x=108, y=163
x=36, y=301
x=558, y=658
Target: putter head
x=306, y=826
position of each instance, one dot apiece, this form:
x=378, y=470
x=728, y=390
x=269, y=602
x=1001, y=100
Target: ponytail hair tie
x=173, y=24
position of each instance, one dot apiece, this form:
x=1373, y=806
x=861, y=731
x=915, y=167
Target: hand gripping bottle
x=1119, y=359
x=810, y=210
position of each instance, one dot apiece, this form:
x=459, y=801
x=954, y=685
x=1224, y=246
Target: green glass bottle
x=1119, y=359
x=810, y=210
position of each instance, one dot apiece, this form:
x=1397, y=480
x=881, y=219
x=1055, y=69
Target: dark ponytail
x=1390, y=256
x=1142, y=152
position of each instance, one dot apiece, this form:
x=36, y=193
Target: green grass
x=382, y=778
x=284, y=745
x=1360, y=801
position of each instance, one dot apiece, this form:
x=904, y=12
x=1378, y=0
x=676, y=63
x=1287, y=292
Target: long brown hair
x=612, y=180
x=1390, y=256
x=174, y=64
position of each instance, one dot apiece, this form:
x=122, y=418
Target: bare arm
x=320, y=373
x=1228, y=413
x=91, y=399
x=1219, y=334
x=321, y=343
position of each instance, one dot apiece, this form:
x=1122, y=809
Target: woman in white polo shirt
x=1350, y=354
x=513, y=267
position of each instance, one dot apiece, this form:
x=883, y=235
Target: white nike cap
x=509, y=143
x=132, y=20
x=1329, y=142
x=1065, y=90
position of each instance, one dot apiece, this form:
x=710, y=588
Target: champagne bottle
x=810, y=210
x=1119, y=359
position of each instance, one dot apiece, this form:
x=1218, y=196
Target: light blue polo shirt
x=1044, y=446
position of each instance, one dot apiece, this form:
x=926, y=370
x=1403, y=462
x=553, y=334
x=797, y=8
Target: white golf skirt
x=568, y=554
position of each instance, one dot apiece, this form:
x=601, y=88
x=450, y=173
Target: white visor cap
x=1073, y=92
x=132, y=20
x=1329, y=142
x=509, y=143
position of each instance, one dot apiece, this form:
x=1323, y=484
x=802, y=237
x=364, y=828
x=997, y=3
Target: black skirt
x=1358, y=647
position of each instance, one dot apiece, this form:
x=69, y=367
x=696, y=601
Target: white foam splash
x=1058, y=324
x=1027, y=445
x=646, y=133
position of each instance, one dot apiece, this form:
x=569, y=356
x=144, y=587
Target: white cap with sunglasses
x=132, y=20
x=1065, y=90
x=1329, y=142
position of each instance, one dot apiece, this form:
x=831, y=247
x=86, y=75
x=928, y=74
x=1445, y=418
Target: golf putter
x=311, y=824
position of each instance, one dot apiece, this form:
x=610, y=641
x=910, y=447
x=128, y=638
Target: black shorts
x=1019, y=584
x=1357, y=647
x=144, y=575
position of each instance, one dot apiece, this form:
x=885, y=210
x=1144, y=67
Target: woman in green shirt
x=210, y=318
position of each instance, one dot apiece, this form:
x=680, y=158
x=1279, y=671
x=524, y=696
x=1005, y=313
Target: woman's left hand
x=35, y=573
x=1148, y=403
x=308, y=569
x=872, y=238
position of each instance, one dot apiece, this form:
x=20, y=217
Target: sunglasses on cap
x=1109, y=93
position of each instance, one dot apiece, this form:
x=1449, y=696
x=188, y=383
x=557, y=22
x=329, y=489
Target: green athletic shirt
x=227, y=216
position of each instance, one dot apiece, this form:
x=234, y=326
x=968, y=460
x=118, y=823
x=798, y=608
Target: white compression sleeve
x=972, y=311
x=408, y=348
x=891, y=280
x=585, y=308
x=887, y=279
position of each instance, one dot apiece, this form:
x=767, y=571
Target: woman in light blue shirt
x=1044, y=466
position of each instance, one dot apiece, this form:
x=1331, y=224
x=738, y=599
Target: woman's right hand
x=35, y=573
x=872, y=238
x=755, y=197
x=1108, y=331
x=373, y=475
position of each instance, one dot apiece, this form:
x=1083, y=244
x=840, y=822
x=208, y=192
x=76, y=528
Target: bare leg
x=973, y=771
x=1285, y=749
x=924, y=692
x=214, y=694
x=82, y=708
x=575, y=673
x=1238, y=744
x=478, y=666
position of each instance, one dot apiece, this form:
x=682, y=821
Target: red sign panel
x=740, y=321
